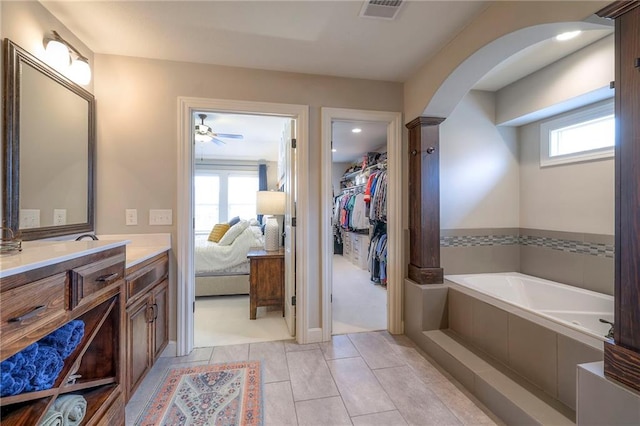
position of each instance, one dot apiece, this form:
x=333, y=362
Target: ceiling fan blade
x=229, y=135
x=218, y=141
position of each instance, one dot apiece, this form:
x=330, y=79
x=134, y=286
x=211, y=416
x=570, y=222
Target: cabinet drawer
x=92, y=278
x=146, y=276
x=29, y=308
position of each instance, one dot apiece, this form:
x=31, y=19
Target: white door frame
x=394, y=212
x=185, y=277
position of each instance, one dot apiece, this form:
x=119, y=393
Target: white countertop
x=36, y=254
x=141, y=247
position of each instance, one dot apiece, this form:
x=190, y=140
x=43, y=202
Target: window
x=221, y=195
x=588, y=134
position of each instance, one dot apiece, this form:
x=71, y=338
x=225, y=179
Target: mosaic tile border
x=579, y=247
x=479, y=240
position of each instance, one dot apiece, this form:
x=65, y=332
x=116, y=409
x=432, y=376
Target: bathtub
x=568, y=310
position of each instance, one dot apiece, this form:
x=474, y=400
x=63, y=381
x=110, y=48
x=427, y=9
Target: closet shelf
x=351, y=175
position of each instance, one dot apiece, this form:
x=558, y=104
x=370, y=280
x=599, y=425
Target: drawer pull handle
x=155, y=311
x=35, y=311
x=105, y=278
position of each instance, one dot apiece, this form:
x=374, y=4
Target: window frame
x=223, y=197
x=592, y=112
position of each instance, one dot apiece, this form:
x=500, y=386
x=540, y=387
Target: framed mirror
x=48, y=150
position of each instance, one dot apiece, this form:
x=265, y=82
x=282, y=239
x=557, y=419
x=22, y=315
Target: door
x=290, y=188
x=139, y=344
x=161, y=318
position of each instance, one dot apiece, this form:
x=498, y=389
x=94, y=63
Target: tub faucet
x=93, y=237
x=610, y=333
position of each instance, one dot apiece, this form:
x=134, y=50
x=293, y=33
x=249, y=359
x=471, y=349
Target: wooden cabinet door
x=161, y=315
x=138, y=343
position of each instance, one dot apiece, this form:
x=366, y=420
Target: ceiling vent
x=380, y=9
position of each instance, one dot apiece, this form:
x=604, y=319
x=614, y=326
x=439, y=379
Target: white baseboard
x=314, y=335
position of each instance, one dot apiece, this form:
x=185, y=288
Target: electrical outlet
x=131, y=216
x=160, y=217
x=29, y=218
x=59, y=217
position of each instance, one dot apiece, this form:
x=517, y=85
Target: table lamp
x=271, y=203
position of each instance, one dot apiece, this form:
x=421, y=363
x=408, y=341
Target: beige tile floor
x=370, y=378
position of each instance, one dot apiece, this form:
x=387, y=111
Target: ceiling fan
x=204, y=133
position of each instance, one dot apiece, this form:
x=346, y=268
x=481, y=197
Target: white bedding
x=211, y=257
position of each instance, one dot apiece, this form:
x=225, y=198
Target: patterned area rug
x=217, y=394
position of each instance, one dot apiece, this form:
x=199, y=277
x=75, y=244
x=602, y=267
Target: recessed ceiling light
x=568, y=35
x=356, y=130
x=333, y=150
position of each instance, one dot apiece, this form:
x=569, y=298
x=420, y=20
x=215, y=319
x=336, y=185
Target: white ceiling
x=536, y=57
x=350, y=146
x=317, y=37
x=261, y=137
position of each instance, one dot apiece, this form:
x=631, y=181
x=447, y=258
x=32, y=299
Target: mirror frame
x=14, y=56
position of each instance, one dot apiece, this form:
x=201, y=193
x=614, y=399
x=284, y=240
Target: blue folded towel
x=66, y=338
x=10, y=385
x=17, y=371
x=48, y=364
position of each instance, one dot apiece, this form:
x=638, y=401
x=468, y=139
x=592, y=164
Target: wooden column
x=622, y=355
x=424, y=200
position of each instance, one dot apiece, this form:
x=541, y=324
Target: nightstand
x=266, y=279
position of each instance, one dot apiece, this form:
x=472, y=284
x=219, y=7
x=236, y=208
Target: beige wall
x=577, y=197
x=137, y=132
x=478, y=167
x=585, y=72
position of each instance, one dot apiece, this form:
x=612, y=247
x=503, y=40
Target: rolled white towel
x=51, y=418
x=72, y=407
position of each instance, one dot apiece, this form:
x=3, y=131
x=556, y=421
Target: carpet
x=226, y=394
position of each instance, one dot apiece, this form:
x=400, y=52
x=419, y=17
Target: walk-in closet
x=359, y=227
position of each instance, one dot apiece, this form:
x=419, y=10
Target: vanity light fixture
x=568, y=35
x=60, y=54
x=356, y=130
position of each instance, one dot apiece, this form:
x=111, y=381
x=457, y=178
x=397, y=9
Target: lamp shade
x=57, y=55
x=270, y=202
x=80, y=71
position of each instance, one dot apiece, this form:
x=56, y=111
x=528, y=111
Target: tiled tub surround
x=542, y=350
x=578, y=259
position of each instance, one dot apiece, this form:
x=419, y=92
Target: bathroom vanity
x=43, y=288
x=118, y=287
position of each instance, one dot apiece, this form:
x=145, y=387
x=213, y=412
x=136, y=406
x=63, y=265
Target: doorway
x=359, y=226
x=391, y=123
x=296, y=196
x=235, y=156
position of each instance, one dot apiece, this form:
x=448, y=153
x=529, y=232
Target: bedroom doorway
x=235, y=156
x=185, y=286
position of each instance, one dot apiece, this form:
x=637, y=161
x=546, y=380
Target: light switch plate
x=131, y=216
x=160, y=217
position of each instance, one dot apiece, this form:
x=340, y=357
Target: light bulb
x=57, y=55
x=80, y=71
x=356, y=130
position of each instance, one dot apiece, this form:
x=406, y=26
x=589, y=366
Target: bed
x=224, y=269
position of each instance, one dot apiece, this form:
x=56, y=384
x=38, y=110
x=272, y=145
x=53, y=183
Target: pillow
x=230, y=236
x=234, y=220
x=218, y=232
x=254, y=222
